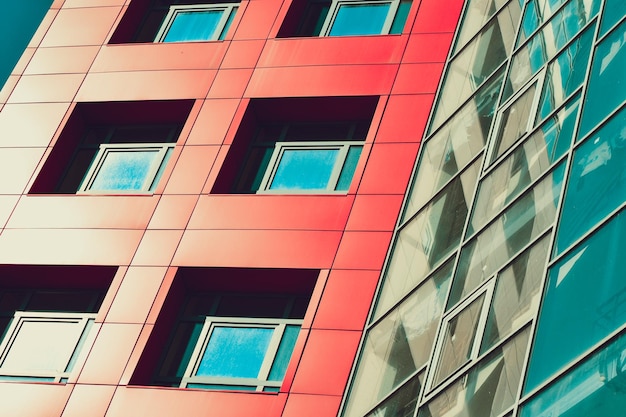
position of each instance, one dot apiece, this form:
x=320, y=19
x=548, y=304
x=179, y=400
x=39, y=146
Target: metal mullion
x=338, y=167
x=540, y=27
x=154, y=168
x=391, y=15
x=194, y=360
x=401, y=385
x=270, y=353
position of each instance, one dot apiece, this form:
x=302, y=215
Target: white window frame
x=175, y=10
x=259, y=383
x=82, y=320
x=281, y=147
x=106, y=148
x=336, y=5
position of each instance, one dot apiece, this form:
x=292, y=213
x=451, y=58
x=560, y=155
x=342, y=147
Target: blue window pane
x=359, y=19
x=398, y=22
x=589, y=285
x=236, y=352
x=597, y=183
x=285, y=349
x=607, y=86
x=194, y=26
x=304, y=169
x=222, y=387
x=124, y=171
x=347, y=172
x=596, y=387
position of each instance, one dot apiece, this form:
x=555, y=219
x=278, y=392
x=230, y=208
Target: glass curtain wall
x=503, y=292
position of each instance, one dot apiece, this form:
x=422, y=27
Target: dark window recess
x=297, y=145
x=114, y=147
x=149, y=20
x=227, y=329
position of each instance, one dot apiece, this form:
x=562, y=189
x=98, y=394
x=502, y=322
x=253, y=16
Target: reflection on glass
x=525, y=165
x=536, y=13
x=458, y=340
x=596, y=387
x=304, y=169
x=454, y=146
x=614, y=10
x=124, y=170
x=359, y=19
x=545, y=44
x=597, y=182
x=526, y=219
x=514, y=122
x=399, y=344
x=477, y=61
x=194, y=26
x=477, y=12
x=607, y=89
x=565, y=74
x=349, y=166
x=428, y=238
x=283, y=354
x=488, y=389
x=516, y=296
x=403, y=402
x=589, y=285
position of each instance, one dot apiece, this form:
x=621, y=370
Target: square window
x=126, y=168
x=311, y=166
x=242, y=354
x=191, y=23
x=43, y=345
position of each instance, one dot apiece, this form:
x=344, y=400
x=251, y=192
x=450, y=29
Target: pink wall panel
x=33, y=400
x=332, y=51
x=213, y=122
x=89, y=400
x=46, y=88
x=388, y=169
x=41, y=31
x=437, y=16
x=84, y=26
x=110, y=352
x=173, y=212
x=16, y=167
x=68, y=246
x=157, y=247
x=326, y=362
x=362, y=250
x=92, y=3
x=322, y=80
x=427, y=47
x=164, y=402
x=375, y=212
x=17, y=127
x=7, y=204
x=146, y=85
x=417, y=78
x=21, y=64
x=159, y=56
x=62, y=60
x=289, y=212
x=346, y=301
x=257, y=248
x=230, y=83
x=257, y=19
x=304, y=405
x=135, y=296
x=243, y=54
x=7, y=89
x=191, y=169
x=83, y=211
x=405, y=118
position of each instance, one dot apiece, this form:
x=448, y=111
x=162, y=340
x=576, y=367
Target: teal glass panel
x=236, y=352
x=566, y=73
x=304, y=169
x=607, y=85
x=597, y=181
x=595, y=387
x=402, y=403
x=194, y=26
x=283, y=355
x=229, y=22
x=583, y=302
x=477, y=13
x=524, y=165
x=520, y=223
x=222, y=387
x=400, y=19
x=159, y=173
x=399, y=344
x=614, y=10
x=454, y=146
x=359, y=19
x=124, y=170
x=488, y=389
x=546, y=43
x=536, y=13
x=347, y=172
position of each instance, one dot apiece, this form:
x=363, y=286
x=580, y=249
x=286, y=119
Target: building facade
x=315, y=208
